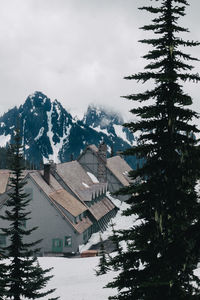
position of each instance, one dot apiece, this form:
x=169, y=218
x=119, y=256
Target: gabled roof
x=119, y=167
x=101, y=208
x=74, y=175
x=5, y=176
x=4, y=179
x=47, y=188
x=83, y=225
x=92, y=148
x=60, y=197
x=91, y=192
x=68, y=202
x=116, y=164
x=56, y=192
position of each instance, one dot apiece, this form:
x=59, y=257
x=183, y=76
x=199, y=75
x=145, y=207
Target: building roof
x=101, y=208
x=116, y=164
x=119, y=167
x=93, y=191
x=5, y=176
x=74, y=175
x=47, y=188
x=83, y=225
x=61, y=198
x=4, y=179
x=68, y=202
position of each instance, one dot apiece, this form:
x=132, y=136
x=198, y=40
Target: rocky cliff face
x=51, y=133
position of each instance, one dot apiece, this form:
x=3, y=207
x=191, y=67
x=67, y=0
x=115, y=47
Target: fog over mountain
x=51, y=133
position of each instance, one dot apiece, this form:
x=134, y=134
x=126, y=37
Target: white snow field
x=75, y=279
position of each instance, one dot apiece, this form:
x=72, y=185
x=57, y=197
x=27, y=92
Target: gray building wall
x=90, y=163
x=52, y=226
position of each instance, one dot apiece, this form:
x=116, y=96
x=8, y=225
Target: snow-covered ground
x=119, y=222
x=75, y=278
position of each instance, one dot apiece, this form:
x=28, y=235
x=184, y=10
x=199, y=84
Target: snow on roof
x=119, y=167
x=85, y=184
x=93, y=177
x=73, y=174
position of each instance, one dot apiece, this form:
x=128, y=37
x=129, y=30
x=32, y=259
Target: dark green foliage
x=163, y=250
x=24, y=276
x=102, y=267
x=3, y=158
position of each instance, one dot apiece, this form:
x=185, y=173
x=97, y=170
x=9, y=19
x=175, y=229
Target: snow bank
x=75, y=278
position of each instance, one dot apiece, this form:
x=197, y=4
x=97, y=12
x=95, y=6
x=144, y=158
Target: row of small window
x=80, y=217
x=95, y=200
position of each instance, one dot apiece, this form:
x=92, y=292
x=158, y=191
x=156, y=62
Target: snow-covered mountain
x=51, y=133
x=109, y=123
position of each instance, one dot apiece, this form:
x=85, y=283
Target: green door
x=57, y=245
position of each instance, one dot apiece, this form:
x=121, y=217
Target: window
x=2, y=240
x=68, y=241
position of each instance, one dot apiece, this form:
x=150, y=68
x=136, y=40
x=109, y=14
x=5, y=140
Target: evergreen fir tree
x=103, y=262
x=163, y=250
x=25, y=278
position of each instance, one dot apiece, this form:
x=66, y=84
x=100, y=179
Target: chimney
x=47, y=168
x=102, y=161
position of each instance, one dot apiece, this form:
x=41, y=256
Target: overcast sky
x=77, y=51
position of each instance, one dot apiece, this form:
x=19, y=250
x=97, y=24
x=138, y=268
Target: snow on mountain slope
x=107, y=122
x=51, y=133
x=4, y=139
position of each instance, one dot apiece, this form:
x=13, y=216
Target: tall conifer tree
x=164, y=249
x=24, y=276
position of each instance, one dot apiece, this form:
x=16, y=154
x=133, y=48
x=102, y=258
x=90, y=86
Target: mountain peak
x=50, y=133
x=98, y=115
